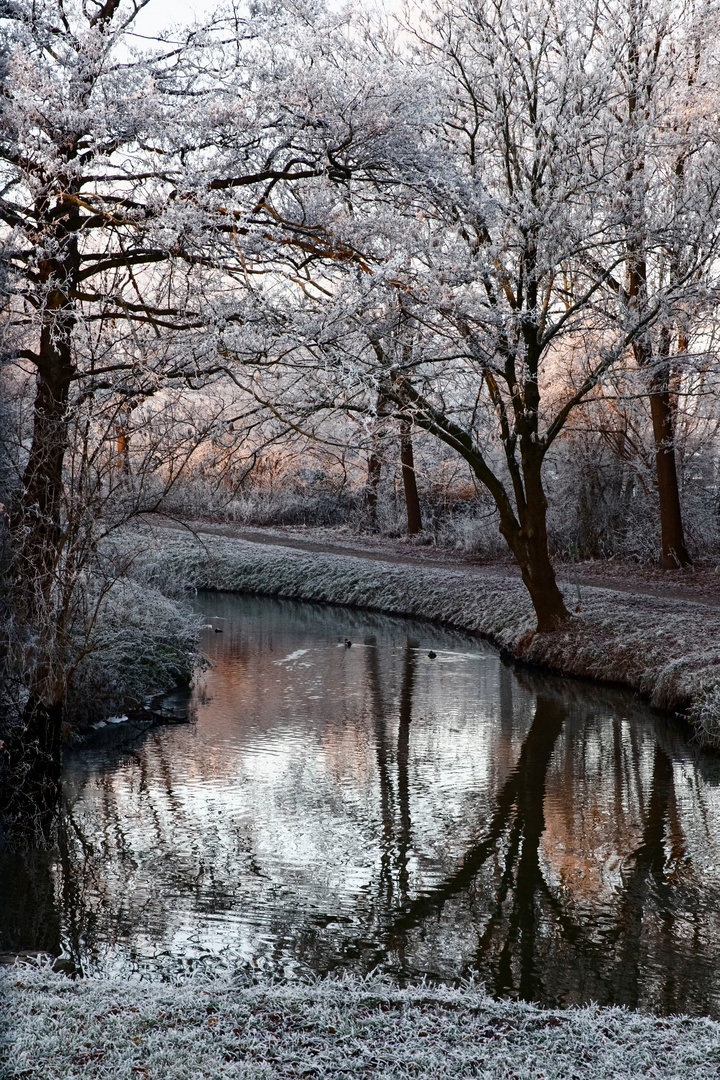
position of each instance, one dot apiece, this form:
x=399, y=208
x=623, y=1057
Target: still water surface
x=350, y=808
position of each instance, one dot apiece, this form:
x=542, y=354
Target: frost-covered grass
x=54, y=1027
x=668, y=650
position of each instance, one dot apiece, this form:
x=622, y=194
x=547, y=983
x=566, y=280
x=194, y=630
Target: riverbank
x=666, y=649
x=56, y=1028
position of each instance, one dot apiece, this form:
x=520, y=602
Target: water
x=349, y=808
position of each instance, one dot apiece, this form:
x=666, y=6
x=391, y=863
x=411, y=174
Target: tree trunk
x=673, y=553
x=36, y=522
x=538, y=574
x=31, y=773
x=412, y=501
x=539, y=579
x=525, y=532
x=371, y=488
x=375, y=463
x=32, y=749
x=529, y=543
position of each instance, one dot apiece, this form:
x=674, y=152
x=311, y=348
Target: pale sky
x=160, y=14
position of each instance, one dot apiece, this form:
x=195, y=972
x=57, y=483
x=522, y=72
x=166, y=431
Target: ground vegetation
x=217, y=1027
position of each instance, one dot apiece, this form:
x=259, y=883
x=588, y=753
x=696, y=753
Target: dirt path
x=695, y=586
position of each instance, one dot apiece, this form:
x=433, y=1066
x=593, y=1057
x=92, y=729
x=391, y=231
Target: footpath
x=695, y=585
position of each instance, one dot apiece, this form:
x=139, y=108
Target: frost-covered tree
x=662, y=117
x=504, y=234
x=129, y=174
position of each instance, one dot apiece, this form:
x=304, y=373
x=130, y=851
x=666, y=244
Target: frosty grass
x=55, y=1027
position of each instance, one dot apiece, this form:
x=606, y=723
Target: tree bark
x=412, y=501
x=673, y=552
x=527, y=538
x=375, y=463
x=31, y=773
x=32, y=750
x=374, y=470
x=525, y=531
x=36, y=522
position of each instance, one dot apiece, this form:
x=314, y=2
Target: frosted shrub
x=705, y=714
x=141, y=643
x=475, y=533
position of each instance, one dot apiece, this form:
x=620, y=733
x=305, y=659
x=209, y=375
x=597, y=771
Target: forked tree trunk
x=412, y=501
x=523, y=525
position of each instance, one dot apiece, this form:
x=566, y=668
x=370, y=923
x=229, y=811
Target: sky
x=159, y=14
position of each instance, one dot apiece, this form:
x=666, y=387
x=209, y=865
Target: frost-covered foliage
x=126, y=640
x=58, y=1029
x=505, y=297
x=145, y=184
x=602, y=484
x=601, y=504
x=705, y=713
x=472, y=225
x=141, y=643
x=665, y=649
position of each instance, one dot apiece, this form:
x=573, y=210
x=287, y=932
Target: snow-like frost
x=705, y=713
x=59, y=1029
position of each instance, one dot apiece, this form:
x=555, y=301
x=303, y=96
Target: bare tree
x=660, y=57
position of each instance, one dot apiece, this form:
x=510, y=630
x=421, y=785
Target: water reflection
x=368, y=806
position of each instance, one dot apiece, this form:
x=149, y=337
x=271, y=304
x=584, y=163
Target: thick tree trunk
x=31, y=773
x=539, y=579
x=36, y=520
x=412, y=501
x=528, y=541
x=32, y=749
x=673, y=552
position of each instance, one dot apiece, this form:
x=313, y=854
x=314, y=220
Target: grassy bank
x=55, y=1028
x=668, y=650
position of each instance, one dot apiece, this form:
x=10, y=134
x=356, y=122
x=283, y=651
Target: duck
x=432, y=654
x=348, y=643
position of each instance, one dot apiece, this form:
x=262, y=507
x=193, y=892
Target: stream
x=337, y=807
